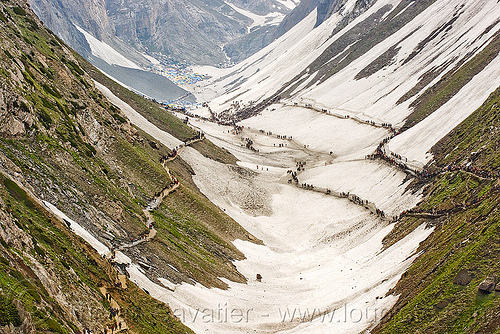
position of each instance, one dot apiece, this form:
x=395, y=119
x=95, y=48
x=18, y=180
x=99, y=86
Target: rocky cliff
x=192, y=31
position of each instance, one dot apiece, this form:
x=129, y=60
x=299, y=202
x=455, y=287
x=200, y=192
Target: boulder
x=488, y=284
x=463, y=278
x=442, y=304
x=154, y=145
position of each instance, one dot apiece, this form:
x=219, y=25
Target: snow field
x=321, y=254
x=259, y=20
x=418, y=140
x=321, y=132
x=370, y=180
x=106, y=52
x=376, y=96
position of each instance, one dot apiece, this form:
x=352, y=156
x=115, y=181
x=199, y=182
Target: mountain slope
x=426, y=75
x=192, y=31
x=440, y=292
x=331, y=95
x=62, y=142
x=52, y=279
x=385, y=65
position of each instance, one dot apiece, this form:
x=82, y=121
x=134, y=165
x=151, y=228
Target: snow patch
x=419, y=139
x=79, y=230
x=138, y=120
x=153, y=60
x=106, y=52
x=259, y=20
x=290, y=4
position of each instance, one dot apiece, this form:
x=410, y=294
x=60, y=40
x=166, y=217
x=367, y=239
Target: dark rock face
x=325, y=9
x=189, y=30
x=206, y=32
x=15, y=116
x=262, y=7
x=297, y=15
x=183, y=29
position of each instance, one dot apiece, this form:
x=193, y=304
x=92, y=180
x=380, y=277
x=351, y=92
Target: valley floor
x=322, y=267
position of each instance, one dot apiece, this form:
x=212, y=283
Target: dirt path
x=315, y=158
x=294, y=145
x=150, y=222
x=180, y=148
x=156, y=201
x=123, y=280
x=116, y=323
x=347, y=195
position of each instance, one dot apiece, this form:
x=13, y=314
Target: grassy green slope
x=60, y=138
x=476, y=140
x=431, y=300
x=157, y=115
x=40, y=258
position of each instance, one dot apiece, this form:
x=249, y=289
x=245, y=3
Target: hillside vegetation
x=440, y=292
x=63, y=142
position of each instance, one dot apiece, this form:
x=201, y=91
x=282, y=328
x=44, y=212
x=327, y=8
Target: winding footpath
x=410, y=167
x=382, y=152
x=316, y=157
x=150, y=222
x=347, y=195
x=156, y=201
x=341, y=116
x=117, y=324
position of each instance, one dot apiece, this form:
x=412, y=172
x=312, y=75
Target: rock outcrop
x=488, y=285
x=184, y=30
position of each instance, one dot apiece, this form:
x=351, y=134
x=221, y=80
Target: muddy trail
x=153, y=204
x=286, y=149
x=312, y=159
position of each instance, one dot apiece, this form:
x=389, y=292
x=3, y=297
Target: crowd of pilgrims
x=249, y=144
x=400, y=162
x=198, y=136
x=473, y=170
x=353, y=198
x=392, y=158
